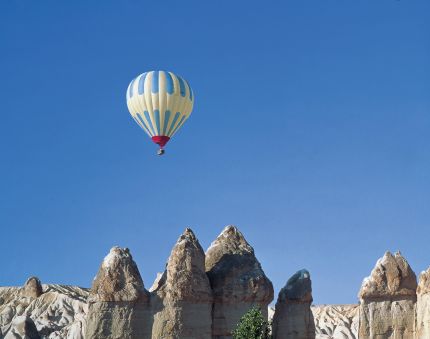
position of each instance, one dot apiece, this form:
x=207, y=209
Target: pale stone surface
x=119, y=305
x=182, y=295
x=270, y=313
x=336, y=321
x=237, y=280
x=57, y=313
x=159, y=281
x=293, y=318
x=60, y=312
x=423, y=306
x=119, y=320
x=22, y=327
x=387, y=319
x=387, y=300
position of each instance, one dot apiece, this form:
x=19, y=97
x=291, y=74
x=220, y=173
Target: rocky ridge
x=118, y=302
x=336, y=321
x=237, y=280
x=203, y=295
x=182, y=296
x=59, y=312
x=387, y=299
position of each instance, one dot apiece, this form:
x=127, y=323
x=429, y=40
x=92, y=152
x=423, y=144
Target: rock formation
x=293, y=316
x=118, y=278
x=423, y=306
x=336, y=321
x=32, y=288
x=182, y=295
x=237, y=280
x=387, y=300
x=60, y=312
x=119, y=305
x=57, y=313
x=23, y=327
x=204, y=296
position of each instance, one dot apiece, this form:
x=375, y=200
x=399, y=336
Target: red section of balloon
x=160, y=140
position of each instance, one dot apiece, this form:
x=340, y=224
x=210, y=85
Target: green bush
x=252, y=325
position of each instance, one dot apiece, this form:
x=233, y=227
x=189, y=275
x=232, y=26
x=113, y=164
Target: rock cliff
x=23, y=327
x=119, y=305
x=182, y=295
x=58, y=312
x=336, y=321
x=423, y=306
x=237, y=280
x=204, y=295
x=387, y=300
x=293, y=318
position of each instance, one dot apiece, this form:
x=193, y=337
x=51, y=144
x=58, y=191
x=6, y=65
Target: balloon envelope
x=160, y=102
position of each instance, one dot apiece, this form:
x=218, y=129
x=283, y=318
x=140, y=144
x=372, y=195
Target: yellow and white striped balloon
x=160, y=102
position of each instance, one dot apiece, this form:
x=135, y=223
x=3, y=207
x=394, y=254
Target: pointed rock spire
x=232, y=267
x=118, y=278
x=388, y=300
x=185, y=277
x=119, y=305
x=186, y=270
x=184, y=293
x=391, y=276
x=293, y=316
x=230, y=241
x=237, y=279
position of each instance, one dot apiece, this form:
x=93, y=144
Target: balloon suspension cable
x=161, y=151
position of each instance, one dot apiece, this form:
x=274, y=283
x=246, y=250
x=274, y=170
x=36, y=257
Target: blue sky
x=310, y=132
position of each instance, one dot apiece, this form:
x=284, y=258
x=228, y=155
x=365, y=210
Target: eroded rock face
x=387, y=299
x=293, y=317
x=119, y=305
x=182, y=295
x=336, y=321
x=23, y=327
x=58, y=313
x=237, y=280
x=423, y=306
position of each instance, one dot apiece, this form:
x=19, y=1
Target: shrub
x=252, y=325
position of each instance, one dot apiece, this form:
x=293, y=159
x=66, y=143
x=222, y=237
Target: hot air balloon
x=160, y=102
